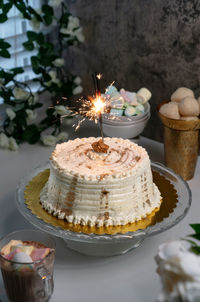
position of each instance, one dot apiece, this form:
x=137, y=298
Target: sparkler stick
x=96, y=80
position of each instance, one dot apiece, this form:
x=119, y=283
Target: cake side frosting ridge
x=92, y=188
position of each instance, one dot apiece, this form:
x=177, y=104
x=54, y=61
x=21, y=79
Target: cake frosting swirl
x=90, y=188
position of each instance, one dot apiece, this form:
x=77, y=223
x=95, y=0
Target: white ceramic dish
x=128, y=130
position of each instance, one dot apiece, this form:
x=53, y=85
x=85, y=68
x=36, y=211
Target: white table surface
x=78, y=278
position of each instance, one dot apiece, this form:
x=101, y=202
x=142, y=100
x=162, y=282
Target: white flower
x=49, y=140
x=77, y=90
x=73, y=22
x=54, y=79
x=62, y=136
x=64, y=31
x=68, y=121
x=20, y=94
x=4, y=140
x=31, y=115
x=59, y=62
x=55, y=3
x=13, y=146
x=33, y=99
x=73, y=29
x=179, y=270
x=62, y=110
x=77, y=80
x=35, y=24
x=11, y=114
x=79, y=35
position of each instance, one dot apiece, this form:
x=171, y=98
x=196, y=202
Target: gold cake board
x=169, y=201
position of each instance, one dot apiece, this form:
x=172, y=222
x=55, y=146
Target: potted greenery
x=48, y=66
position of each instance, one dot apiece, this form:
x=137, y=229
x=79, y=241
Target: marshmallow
x=181, y=93
x=111, y=90
x=22, y=257
x=40, y=253
x=145, y=94
x=23, y=248
x=140, y=99
x=116, y=101
x=198, y=100
x=139, y=109
x=170, y=110
x=189, y=107
x=129, y=111
x=117, y=112
x=189, y=118
x=129, y=97
x=7, y=248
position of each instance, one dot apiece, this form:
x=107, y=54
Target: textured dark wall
x=136, y=43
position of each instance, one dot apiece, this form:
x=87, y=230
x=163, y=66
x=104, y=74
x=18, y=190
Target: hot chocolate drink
x=27, y=270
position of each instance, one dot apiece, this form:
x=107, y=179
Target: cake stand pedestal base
x=104, y=249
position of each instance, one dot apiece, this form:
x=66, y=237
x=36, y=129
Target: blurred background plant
x=47, y=63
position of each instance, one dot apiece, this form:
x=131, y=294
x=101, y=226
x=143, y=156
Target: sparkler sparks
x=92, y=107
x=99, y=76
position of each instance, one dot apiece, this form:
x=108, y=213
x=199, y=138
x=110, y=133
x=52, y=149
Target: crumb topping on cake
x=78, y=157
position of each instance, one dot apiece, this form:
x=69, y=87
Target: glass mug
x=33, y=283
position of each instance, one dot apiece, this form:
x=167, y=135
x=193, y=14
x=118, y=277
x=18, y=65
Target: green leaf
x=65, y=18
x=31, y=134
x=7, y=7
x=48, y=19
x=31, y=35
x=196, y=236
x=21, y=117
x=195, y=249
x=17, y=70
x=6, y=75
x=196, y=227
x=31, y=10
x=3, y=18
x=22, y=8
x=4, y=44
x=47, y=10
x=190, y=241
x=4, y=53
x=35, y=64
x=40, y=38
x=28, y=45
x=34, y=12
x=50, y=112
x=37, y=105
x=1, y=3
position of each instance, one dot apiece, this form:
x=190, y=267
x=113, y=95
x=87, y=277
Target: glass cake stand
x=110, y=245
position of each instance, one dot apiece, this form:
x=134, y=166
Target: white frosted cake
x=113, y=187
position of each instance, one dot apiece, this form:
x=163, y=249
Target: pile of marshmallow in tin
x=182, y=106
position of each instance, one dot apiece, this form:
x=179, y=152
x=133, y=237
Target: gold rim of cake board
x=169, y=201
